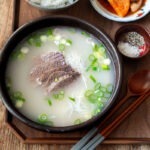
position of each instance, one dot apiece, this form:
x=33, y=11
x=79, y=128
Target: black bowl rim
x=89, y=122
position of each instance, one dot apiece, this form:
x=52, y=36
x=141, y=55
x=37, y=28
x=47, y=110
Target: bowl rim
x=116, y=18
x=51, y=8
x=89, y=122
x=137, y=28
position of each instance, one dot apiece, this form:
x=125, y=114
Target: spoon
x=138, y=84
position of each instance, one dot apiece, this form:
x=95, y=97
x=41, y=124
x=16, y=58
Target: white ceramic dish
x=107, y=14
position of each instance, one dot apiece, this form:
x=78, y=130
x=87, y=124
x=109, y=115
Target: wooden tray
x=135, y=129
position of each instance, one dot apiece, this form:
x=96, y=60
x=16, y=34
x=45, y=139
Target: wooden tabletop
x=8, y=141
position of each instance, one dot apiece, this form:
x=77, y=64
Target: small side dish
x=122, y=10
x=133, y=41
x=122, y=7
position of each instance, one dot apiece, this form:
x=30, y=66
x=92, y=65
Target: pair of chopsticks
x=89, y=143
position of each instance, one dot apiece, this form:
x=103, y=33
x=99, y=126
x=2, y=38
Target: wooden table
x=7, y=140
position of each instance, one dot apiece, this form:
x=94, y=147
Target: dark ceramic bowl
x=27, y=29
x=48, y=8
x=138, y=29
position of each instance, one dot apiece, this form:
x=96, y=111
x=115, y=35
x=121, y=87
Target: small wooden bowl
x=134, y=28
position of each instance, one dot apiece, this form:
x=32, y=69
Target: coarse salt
x=128, y=50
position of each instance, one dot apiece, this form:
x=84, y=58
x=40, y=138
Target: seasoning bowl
x=36, y=4
x=142, y=12
x=138, y=29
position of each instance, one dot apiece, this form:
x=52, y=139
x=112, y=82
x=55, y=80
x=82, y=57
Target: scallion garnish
x=68, y=42
x=105, y=67
x=59, y=95
x=49, y=32
x=34, y=40
x=72, y=99
x=77, y=121
x=97, y=86
x=85, y=34
x=43, y=118
x=18, y=98
x=61, y=47
x=92, y=57
x=93, y=78
x=88, y=93
x=49, y=101
x=19, y=104
x=103, y=89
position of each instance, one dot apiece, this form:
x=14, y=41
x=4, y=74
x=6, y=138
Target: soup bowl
x=55, y=21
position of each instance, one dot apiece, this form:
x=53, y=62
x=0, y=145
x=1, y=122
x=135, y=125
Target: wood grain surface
x=137, y=125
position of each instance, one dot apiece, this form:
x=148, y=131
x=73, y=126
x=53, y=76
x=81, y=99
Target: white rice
x=52, y=3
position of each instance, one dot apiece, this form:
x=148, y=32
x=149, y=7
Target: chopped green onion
x=21, y=55
x=97, y=86
x=105, y=67
x=68, y=42
x=100, y=105
x=38, y=43
x=50, y=32
x=85, y=34
x=95, y=68
x=62, y=47
x=91, y=57
x=77, y=121
x=100, y=94
x=34, y=40
x=62, y=92
x=92, y=98
x=49, y=102
x=30, y=41
x=19, y=103
x=103, y=89
x=59, y=95
x=43, y=38
x=99, y=47
x=96, y=111
x=17, y=94
x=93, y=78
x=72, y=99
x=99, y=99
x=88, y=93
x=56, y=96
x=43, y=118
x=51, y=37
x=17, y=54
